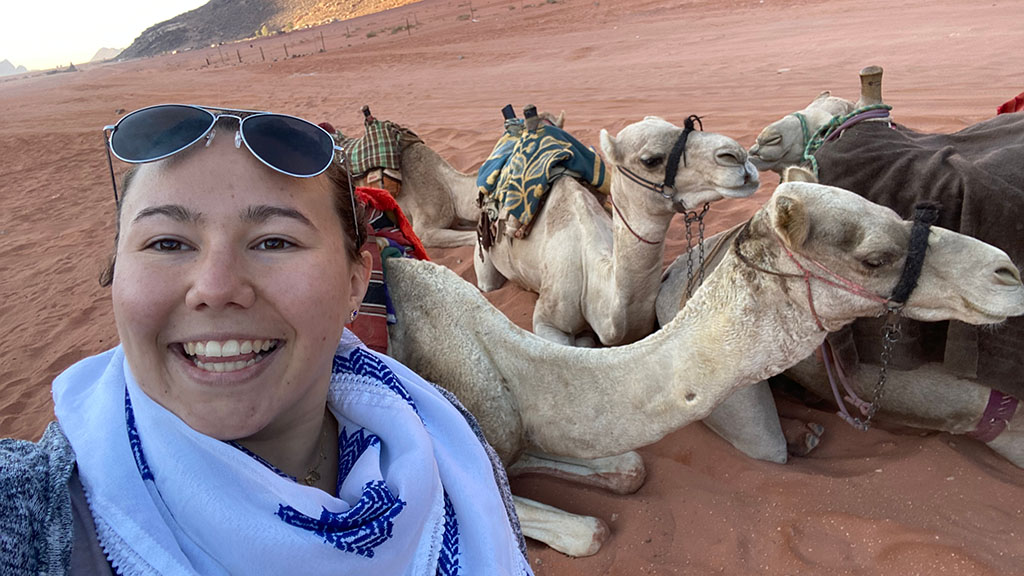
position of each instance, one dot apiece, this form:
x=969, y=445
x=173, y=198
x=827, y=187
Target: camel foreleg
x=487, y=275
x=749, y=421
x=621, y=474
x=570, y=534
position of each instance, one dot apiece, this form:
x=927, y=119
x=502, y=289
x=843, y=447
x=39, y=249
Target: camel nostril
x=731, y=157
x=1008, y=275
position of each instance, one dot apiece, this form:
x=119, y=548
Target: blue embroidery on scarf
x=364, y=527
x=363, y=363
x=350, y=448
x=134, y=440
x=448, y=559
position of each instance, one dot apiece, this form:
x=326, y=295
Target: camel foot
x=570, y=534
x=801, y=437
x=621, y=474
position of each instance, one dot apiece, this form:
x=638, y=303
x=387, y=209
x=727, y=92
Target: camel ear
x=560, y=121
x=823, y=95
x=610, y=148
x=799, y=174
x=791, y=221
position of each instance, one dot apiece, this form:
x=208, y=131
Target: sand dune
x=890, y=501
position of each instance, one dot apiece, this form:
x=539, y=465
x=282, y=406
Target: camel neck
x=637, y=252
x=739, y=328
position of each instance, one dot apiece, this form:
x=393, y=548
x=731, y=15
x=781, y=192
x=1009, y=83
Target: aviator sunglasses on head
x=290, y=145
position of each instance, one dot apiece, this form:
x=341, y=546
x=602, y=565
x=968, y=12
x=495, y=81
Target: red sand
x=891, y=501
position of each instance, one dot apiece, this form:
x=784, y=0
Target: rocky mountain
x=105, y=54
x=227, y=20
x=6, y=68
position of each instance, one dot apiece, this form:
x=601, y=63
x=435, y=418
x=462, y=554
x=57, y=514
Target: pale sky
x=42, y=34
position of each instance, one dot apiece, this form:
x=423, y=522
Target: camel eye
x=652, y=161
x=876, y=261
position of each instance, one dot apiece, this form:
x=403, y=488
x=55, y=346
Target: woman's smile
x=227, y=355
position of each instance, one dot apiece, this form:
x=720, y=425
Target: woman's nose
x=220, y=280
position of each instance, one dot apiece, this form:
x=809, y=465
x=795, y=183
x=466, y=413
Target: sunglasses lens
x=291, y=145
x=152, y=133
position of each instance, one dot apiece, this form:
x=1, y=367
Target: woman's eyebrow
x=263, y=212
x=172, y=211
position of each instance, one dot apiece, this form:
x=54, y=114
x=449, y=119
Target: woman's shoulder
x=21, y=460
x=35, y=509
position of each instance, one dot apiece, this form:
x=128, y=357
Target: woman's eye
x=168, y=245
x=273, y=244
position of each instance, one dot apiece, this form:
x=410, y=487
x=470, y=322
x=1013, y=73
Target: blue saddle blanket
x=519, y=172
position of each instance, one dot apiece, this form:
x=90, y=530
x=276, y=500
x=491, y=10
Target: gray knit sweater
x=35, y=505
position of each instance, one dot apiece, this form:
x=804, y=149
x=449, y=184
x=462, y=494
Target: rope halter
x=925, y=214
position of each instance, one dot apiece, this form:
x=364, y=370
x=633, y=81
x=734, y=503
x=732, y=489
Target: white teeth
x=224, y=366
x=213, y=349
x=230, y=348
x=227, y=349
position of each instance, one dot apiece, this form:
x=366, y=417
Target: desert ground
x=889, y=501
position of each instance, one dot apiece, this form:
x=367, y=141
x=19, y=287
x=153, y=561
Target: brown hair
x=339, y=183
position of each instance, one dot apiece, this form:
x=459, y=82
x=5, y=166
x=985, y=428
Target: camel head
x=716, y=166
x=782, y=142
x=962, y=278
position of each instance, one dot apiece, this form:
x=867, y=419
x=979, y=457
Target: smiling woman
x=239, y=428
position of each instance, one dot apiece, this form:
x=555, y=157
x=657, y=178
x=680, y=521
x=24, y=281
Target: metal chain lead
x=691, y=217
x=891, y=334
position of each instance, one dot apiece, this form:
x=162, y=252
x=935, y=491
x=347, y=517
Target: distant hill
x=6, y=68
x=227, y=20
x=105, y=54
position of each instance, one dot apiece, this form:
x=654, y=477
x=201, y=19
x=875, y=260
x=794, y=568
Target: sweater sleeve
x=35, y=506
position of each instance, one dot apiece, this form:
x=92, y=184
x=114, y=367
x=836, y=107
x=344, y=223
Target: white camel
x=781, y=144
x=598, y=274
x=928, y=396
x=742, y=326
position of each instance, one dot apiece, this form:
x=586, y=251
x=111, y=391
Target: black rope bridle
x=925, y=214
x=671, y=162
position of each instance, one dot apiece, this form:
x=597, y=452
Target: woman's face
x=231, y=290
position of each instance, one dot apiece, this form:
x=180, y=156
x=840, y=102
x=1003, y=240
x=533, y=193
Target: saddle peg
x=531, y=119
x=870, y=87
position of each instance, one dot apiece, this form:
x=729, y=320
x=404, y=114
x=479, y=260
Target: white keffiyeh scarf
x=417, y=493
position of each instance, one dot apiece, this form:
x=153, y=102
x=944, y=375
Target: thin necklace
x=313, y=473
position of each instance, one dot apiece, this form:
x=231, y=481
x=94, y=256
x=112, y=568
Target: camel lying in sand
x=741, y=326
x=971, y=173
x=598, y=274
x=439, y=201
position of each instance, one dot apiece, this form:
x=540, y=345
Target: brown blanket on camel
x=977, y=175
